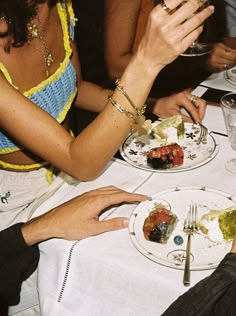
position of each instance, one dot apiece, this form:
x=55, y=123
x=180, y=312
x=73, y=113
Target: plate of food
x=156, y=227
x=170, y=145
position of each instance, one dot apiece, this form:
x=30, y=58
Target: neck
x=44, y=13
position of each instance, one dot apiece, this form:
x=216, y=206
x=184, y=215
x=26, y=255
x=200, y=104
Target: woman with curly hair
x=40, y=80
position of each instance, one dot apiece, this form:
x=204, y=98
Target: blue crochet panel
x=55, y=98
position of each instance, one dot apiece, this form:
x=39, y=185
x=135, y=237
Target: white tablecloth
x=105, y=275
x=218, y=81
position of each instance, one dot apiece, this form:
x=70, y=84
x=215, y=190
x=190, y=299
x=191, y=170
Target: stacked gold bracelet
x=138, y=111
x=138, y=116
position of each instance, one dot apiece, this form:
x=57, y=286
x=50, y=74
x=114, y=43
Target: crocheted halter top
x=55, y=94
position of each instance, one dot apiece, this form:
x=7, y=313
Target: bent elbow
x=85, y=174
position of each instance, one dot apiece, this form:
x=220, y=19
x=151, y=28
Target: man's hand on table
x=78, y=218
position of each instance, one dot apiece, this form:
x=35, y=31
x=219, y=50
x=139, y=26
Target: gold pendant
x=49, y=59
x=33, y=31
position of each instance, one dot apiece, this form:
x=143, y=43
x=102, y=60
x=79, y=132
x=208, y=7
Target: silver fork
x=190, y=226
x=203, y=134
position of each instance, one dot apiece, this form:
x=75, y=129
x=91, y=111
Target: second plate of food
x=205, y=253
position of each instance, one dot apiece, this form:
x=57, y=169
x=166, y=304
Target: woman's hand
x=171, y=105
x=169, y=34
x=220, y=58
x=78, y=218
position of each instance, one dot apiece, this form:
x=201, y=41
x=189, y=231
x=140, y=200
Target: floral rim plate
x=196, y=154
x=205, y=254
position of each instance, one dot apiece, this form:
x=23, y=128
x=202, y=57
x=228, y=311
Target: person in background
x=125, y=23
x=89, y=36
x=73, y=220
x=223, y=55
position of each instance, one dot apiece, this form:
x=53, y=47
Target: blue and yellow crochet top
x=55, y=94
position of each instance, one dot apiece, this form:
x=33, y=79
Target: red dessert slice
x=159, y=225
x=166, y=157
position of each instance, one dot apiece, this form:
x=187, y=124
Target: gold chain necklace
x=35, y=31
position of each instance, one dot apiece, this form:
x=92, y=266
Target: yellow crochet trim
x=67, y=107
x=22, y=167
x=71, y=13
x=6, y=74
x=9, y=150
x=49, y=175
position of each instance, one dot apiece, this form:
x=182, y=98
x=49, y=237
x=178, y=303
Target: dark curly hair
x=17, y=13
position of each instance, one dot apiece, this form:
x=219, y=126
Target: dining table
x=108, y=274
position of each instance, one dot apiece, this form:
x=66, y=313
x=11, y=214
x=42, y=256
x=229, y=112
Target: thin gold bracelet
x=121, y=109
x=122, y=90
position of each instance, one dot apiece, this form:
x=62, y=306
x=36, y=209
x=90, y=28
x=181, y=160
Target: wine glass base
x=197, y=50
x=231, y=165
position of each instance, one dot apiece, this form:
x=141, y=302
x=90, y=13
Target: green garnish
x=227, y=223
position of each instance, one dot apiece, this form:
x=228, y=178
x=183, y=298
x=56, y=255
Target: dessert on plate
x=169, y=153
x=219, y=225
x=169, y=130
x=159, y=225
x=165, y=157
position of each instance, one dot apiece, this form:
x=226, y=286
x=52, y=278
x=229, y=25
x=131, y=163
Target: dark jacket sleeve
x=17, y=262
x=213, y=296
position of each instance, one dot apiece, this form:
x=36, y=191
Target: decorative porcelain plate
x=196, y=154
x=205, y=254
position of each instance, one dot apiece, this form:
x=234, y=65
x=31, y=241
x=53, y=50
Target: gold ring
x=193, y=99
x=200, y=2
x=164, y=6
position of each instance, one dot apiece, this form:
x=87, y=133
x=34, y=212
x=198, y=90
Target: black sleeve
x=17, y=262
x=213, y=296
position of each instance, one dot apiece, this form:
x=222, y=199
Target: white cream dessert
x=219, y=225
x=169, y=130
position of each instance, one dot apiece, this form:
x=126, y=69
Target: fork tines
x=191, y=220
x=203, y=134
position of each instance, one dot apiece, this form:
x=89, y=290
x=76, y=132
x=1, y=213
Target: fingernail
x=149, y=198
x=125, y=222
x=211, y=7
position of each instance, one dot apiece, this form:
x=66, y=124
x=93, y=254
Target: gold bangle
x=121, y=109
x=122, y=90
x=140, y=125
